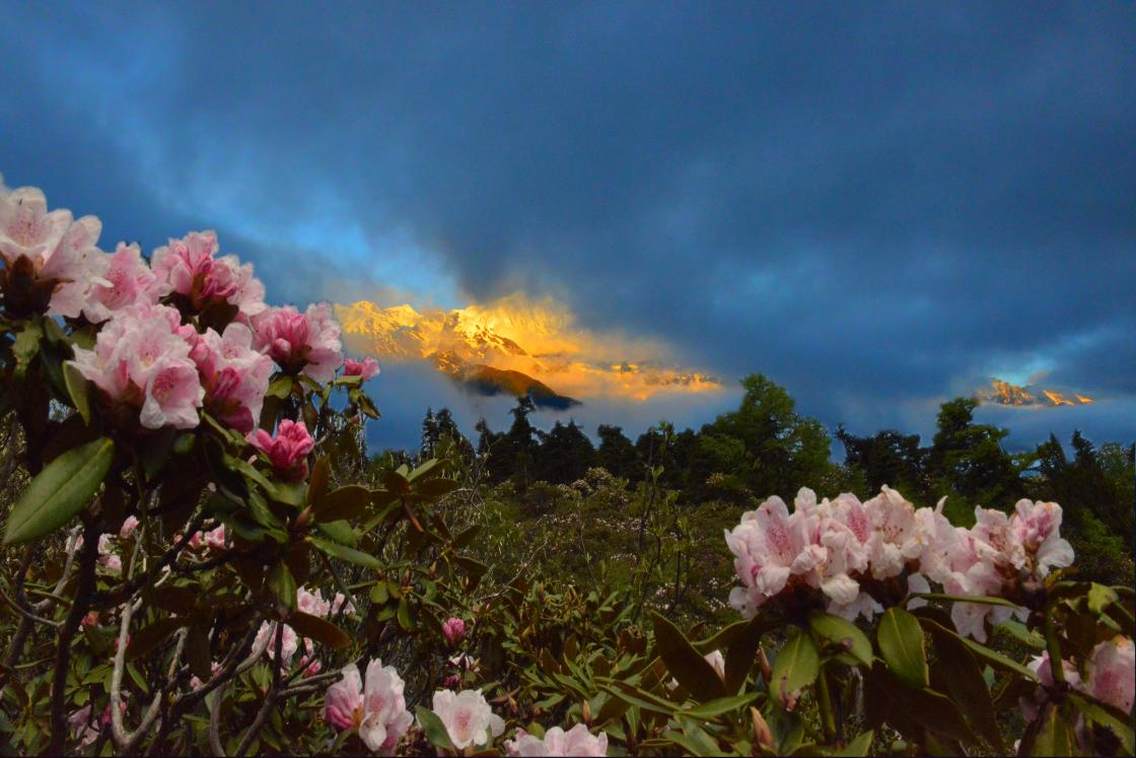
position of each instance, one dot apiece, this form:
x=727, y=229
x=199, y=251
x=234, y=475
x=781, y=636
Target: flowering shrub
x=204, y=561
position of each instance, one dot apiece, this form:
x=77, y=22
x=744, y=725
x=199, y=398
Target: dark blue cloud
x=877, y=205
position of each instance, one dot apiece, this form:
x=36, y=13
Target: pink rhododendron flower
x=467, y=717
x=128, y=527
x=307, y=342
x=84, y=729
x=190, y=267
x=367, y=368
x=215, y=538
x=196, y=684
x=769, y=546
x=376, y=707
x=895, y=538
x=289, y=641
x=288, y=450
x=1112, y=673
x=1031, y=706
x=141, y=359
x=128, y=281
x=453, y=629
x=577, y=741
x=51, y=249
x=234, y=376
x=1035, y=528
x=717, y=662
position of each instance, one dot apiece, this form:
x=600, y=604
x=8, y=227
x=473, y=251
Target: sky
x=878, y=205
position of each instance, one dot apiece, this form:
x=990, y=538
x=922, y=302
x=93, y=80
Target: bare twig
x=83, y=594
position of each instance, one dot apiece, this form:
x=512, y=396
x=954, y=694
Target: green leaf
x=903, y=647
x=1100, y=597
x=717, y=707
x=197, y=653
x=319, y=480
x=59, y=491
x=980, y=599
x=690, y=669
x=283, y=585
x=318, y=629
x=344, y=503
x=696, y=743
x=344, y=553
x=146, y=639
x=795, y=667
x=857, y=746
x=1023, y=634
x=636, y=696
x=403, y=615
x=280, y=387
x=434, y=729
x=992, y=657
x=959, y=672
x=423, y=470
x=77, y=388
x=436, y=487
x=1107, y=716
x=339, y=531
x=741, y=647
x=396, y=483
x=1054, y=734
x=26, y=346
x=843, y=635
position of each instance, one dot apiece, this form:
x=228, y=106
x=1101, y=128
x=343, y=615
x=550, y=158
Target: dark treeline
x=766, y=447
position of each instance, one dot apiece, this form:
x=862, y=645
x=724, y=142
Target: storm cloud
x=878, y=205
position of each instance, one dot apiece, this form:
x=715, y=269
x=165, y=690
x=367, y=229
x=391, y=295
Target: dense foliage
x=200, y=558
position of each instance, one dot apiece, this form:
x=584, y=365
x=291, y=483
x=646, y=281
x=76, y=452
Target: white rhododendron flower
x=55, y=251
x=577, y=741
x=375, y=706
x=467, y=717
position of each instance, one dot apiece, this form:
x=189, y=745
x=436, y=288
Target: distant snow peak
x=1004, y=393
x=518, y=346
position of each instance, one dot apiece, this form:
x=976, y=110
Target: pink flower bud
x=288, y=450
x=453, y=629
x=367, y=368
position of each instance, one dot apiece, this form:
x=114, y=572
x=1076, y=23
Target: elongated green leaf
x=1100, y=597
x=319, y=480
x=716, y=708
x=636, y=696
x=434, y=728
x=320, y=630
x=1108, y=717
x=149, y=637
x=689, y=668
x=742, y=646
x=980, y=599
x=26, y=346
x=857, y=746
x=423, y=470
x=59, y=491
x=903, y=647
x=843, y=635
x=344, y=503
x=77, y=388
x=961, y=678
x=795, y=667
x=436, y=487
x=992, y=657
x=283, y=585
x=1054, y=734
x=698, y=743
x=344, y=553
x=1024, y=634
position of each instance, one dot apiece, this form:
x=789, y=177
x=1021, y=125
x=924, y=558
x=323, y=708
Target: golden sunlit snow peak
x=538, y=338
x=1005, y=393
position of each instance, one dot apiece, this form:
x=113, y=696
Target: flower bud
x=761, y=732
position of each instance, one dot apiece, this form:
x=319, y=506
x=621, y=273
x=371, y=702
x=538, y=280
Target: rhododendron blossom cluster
x=373, y=706
x=155, y=356
x=468, y=718
x=859, y=556
x=576, y=741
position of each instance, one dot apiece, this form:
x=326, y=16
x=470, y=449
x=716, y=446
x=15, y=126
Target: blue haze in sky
x=879, y=205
